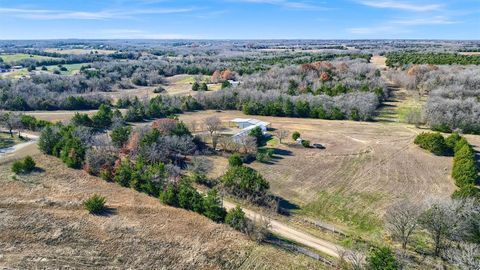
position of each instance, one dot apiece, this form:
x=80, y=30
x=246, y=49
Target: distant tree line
x=397, y=59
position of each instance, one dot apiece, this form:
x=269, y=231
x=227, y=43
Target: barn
x=246, y=125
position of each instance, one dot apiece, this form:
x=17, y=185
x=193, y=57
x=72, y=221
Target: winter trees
x=281, y=134
x=402, y=220
x=213, y=125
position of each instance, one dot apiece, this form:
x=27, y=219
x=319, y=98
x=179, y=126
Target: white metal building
x=248, y=124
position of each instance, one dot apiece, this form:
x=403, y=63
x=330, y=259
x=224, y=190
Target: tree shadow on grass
x=38, y=170
x=282, y=152
x=107, y=211
x=285, y=207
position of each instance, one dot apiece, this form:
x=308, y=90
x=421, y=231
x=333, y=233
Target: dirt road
x=19, y=150
x=292, y=234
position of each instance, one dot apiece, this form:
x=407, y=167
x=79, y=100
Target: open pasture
x=182, y=84
x=365, y=167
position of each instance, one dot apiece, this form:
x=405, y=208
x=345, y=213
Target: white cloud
x=371, y=30
x=140, y=34
x=437, y=20
x=287, y=4
x=403, y=5
x=45, y=14
x=403, y=25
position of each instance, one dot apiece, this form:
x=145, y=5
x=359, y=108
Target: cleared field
x=55, y=116
x=379, y=61
x=43, y=225
x=8, y=58
x=182, y=85
x=469, y=53
x=79, y=51
x=364, y=168
x=71, y=68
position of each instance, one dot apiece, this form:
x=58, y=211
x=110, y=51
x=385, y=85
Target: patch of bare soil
x=379, y=61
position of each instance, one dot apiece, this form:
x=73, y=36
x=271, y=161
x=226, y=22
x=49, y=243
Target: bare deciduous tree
x=448, y=220
x=465, y=256
x=402, y=220
x=213, y=125
x=193, y=126
x=248, y=144
x=200, y=165
x=281, y=134
x=10, y=121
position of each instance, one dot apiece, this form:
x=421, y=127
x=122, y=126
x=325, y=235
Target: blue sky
x=240, y=19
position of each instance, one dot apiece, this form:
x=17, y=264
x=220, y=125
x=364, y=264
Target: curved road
x=291, y=233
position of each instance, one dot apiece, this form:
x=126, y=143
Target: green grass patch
x=351, y=210
x=9, y=58
x=406, y=111
x=71, y=68
x=273, y=141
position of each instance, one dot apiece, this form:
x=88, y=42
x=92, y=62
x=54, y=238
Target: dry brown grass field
x=365, y=167
x=43, y=225
x=56, y=116
x=470, y=53
x=379, y=61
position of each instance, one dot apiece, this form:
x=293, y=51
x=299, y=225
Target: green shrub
x=123, y=174
x=73, y=153
x=236, y=219
x=203, y=87
x=306, y=143
x=213, y=207
x=381, y=259
x=441, y=128
x=120, y=135
x=195, y=86
x=466, y=191
x=452, y=140
x=24, y=166
x=295, y=135
x=433, y=142
x=264, y=155
x=169, y=196
x=95, y=204
x=235, y=160
x=246, y=183
x=258, y=134
x=226, y=84
x=261, y=157
x=464, y=172
x=103, y=117
x=461, y=143
x=48, y=139
x=17, y=167
x=189, y=198
x=28, y=164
